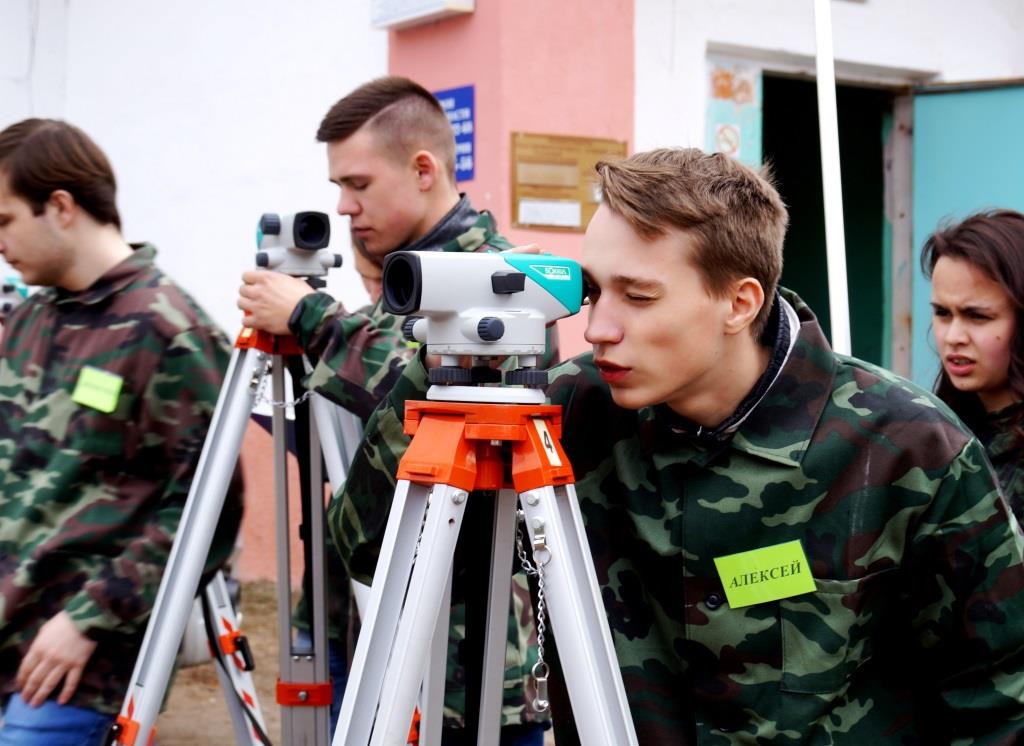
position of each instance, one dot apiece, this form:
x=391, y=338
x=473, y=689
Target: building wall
x=564, y=68
x=208, y=112
x=874, y=40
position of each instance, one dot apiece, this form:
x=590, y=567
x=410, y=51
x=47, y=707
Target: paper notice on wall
x=733, y=116
x=562, y=213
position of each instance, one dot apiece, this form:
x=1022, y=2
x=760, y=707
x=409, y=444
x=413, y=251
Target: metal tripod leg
x=188, y=554
x=419, y=614
x=432, y=695
x=398, y=642
x=304, y=685
x=233, y=664
x=498, y=604
x=585, y=647
x=380, y=622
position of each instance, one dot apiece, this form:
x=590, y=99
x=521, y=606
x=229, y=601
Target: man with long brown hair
x=108, y=378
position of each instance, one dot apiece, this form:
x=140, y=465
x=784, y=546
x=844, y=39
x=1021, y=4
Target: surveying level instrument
x=12, y=293
x=476, y=440
x=295, y=245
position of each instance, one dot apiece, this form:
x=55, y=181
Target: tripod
x=459, y=447
x=303, y=689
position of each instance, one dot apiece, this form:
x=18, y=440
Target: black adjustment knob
x=316, y=282
x=337, y=260
x=262, y=259
x=407, y=325
x=485, y=374
x=527, y=377
x=490, y=329
x=270, y=224
x=248, y=662
x=506, y=282
x=451, y=374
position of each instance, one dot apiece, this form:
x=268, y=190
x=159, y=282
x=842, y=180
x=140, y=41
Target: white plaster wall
x=944, y=40
x=207, y=110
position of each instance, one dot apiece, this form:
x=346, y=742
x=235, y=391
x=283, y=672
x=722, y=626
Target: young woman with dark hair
x=977, y=272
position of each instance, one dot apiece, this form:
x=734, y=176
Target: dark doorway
x=791, y=147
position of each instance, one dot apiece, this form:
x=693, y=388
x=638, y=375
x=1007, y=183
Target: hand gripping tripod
x=459, y=447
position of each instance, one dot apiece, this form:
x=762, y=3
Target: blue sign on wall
x=458, y=105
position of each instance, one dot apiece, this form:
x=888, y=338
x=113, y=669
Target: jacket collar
x=113, y=281
x=777, y=427
x=450, y=232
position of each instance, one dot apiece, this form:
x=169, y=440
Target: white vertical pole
x=828, y=129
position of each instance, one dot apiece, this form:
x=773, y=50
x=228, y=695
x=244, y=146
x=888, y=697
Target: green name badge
x=765, y=574
x=97, y=389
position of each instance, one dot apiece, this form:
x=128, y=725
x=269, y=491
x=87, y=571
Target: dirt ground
x=196, y=714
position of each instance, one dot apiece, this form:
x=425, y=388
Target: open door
x=968, y=155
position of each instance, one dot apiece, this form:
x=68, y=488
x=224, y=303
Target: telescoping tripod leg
x=233, y=663
x=304, y=687
x=453, y=452
x=188, y=554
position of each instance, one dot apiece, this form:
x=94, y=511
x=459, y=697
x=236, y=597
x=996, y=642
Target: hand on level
x=59, y=651
x=530, y=248
x=268, y=299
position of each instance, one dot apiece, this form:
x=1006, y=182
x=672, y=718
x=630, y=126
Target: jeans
x=51, y=724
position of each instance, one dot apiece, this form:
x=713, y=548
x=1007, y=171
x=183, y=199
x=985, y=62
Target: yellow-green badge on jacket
x=98, y=389
x=765, y=574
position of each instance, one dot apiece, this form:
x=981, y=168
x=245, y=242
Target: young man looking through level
x=883, y=573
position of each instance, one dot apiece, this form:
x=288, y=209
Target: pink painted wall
x=537, y=66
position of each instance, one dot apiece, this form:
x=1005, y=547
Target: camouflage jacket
x=358, y=357
x=1004, y=449
x=91, y=493
x=910, y=635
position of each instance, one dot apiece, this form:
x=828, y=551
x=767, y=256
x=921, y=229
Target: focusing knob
x=451, y=374
x=490, y=329
x=270, y=224
x=262, y=259
x=407, y=325
x=527, y=377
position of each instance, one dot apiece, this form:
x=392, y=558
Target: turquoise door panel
x=968, y=156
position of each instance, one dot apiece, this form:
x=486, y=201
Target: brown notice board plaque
x=554, y=186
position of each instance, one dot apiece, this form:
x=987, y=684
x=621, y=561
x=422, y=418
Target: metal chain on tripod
x=261, y=392
x=542, y=555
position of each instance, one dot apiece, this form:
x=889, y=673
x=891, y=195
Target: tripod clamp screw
x=459, y=497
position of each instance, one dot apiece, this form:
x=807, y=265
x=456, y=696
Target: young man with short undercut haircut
x=391, y=152
x=793, y=546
